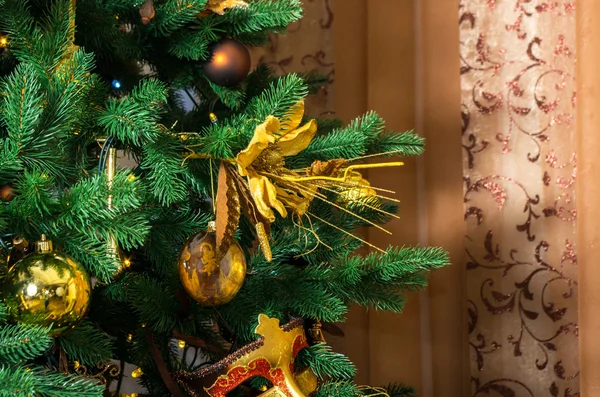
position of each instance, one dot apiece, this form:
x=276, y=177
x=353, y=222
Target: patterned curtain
x=518, y=109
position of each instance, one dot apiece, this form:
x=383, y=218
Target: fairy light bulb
x=137, y=373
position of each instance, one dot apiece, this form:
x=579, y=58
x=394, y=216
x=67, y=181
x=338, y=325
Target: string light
x=116, y=84
x=137, y=373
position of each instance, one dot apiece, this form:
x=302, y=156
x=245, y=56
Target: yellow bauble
x=47, y=288
x=358, y=190
x=206, y=281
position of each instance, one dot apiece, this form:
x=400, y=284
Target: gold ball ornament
x=208, y=281
x=357, y=190
x=47, y=288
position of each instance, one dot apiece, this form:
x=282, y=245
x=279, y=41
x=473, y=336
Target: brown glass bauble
x=47, y=288
x=7, y=192
x=207, y=281
x=229, y=63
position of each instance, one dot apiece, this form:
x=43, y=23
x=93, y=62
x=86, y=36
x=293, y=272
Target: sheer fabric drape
x=520, y=165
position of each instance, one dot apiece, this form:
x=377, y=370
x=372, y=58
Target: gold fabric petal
x=293, y=120
x=264, y=194
x=297, y=203
x=263, y=136
x=219, y=6
x=296, y=141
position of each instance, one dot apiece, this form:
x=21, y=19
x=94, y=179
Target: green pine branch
x=3, y=312
x=174, y=14
x=365, y=135
x=34, y=193
x=164, y=165
x=279, y=99
x=20, y=343
x=92, y=252
x=86, y=204
x=154, y=304
x=194, y=43
x=325, y=363
x=379, y=278
x=400, y=390
x=133, y=119
x=21, y=110
x=21, y=381
x=231, y=97
x=398, y=144
x=262, y=15
x=348, y=143
x=338, y=389
x=86, y=344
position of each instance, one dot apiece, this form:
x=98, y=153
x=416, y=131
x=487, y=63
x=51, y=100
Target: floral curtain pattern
x=518, y=111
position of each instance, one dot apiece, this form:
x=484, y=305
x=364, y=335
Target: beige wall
x=400, y=58
x=588, y=192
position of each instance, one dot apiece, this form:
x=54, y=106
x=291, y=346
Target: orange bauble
x=6, y=193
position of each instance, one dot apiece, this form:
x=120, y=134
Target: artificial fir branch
x=162, y=367
x=56, y=105
x=21, y=381
x=400, y=390
x=86, y=344
x=174, y=14
x=325, y=363
x=20, y=343
x=339, y=389
x=195, y=341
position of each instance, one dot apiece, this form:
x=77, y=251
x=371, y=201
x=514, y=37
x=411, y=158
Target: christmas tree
x=217, y=262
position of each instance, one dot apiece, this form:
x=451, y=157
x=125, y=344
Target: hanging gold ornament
x=208, y=280
x=47, y=288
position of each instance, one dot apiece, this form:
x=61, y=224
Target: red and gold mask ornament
x=272, y=357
